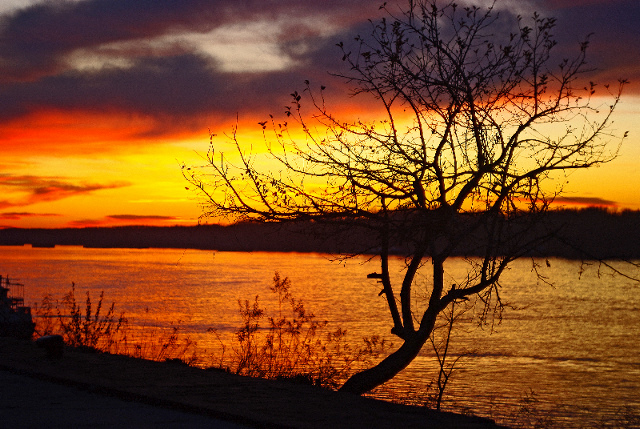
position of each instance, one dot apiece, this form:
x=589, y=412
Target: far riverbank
x=580, y=234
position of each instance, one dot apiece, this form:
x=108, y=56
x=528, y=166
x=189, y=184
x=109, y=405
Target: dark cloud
x=175, y=88
x=615, y=35
x=569, y=4
x=83, y=223
x=587, y=201
x=35, y=41
x=176, y=85
x=36, y=38
x=42, y=189
x=122, y=219
x=140, y=217
x=6, y=204
x=183, y=87
x=22, y=215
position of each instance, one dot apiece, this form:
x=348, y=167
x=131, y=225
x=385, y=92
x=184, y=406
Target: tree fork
x=367, y=380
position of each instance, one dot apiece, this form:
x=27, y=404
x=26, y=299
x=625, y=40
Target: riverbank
x=581, y=234
x=243, y=400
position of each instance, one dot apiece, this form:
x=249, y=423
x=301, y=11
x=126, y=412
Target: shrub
x=294, y=345
x=88, y=328
x=161, y=344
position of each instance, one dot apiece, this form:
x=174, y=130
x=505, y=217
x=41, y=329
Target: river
x=562, y=355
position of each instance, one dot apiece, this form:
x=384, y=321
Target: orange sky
x=103, y=100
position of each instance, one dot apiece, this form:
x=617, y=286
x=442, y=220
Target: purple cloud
x=587, y=201
x=178, y=83
x=22, y=215
x=140, y=217
x=41, y=189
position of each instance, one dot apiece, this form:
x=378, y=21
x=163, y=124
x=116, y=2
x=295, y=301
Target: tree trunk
x=388, y=368
x=368, y=379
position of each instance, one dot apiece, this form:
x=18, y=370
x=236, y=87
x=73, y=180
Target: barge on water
x=15, y=318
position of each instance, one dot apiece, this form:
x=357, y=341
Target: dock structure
x=15, y=317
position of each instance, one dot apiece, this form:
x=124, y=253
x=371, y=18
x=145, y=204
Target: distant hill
x=592, y=233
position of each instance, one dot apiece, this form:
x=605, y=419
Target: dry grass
x=293, y=344
x=91, y=329
x=286, y=343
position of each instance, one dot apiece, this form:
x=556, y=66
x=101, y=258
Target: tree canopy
x=479, y=117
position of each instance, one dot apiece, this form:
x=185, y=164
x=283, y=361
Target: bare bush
x=294, y=344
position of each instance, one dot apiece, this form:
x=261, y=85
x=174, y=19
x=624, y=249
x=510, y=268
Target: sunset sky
x=102, y=100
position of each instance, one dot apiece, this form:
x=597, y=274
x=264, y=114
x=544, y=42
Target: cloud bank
x=214, y=59
x=31, y=190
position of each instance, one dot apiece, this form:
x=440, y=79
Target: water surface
x=567, y=352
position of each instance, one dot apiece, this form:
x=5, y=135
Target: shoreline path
x=29, y=402
x=102, y=391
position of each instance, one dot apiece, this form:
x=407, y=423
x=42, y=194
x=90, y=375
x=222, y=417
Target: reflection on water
x=574, y=345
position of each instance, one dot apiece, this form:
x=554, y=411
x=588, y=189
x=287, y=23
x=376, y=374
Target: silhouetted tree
x=479, y=113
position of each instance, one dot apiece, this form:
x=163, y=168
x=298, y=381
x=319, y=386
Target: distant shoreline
x=597, y=234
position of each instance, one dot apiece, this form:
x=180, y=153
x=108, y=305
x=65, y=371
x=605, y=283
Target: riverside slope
x=243, y=400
